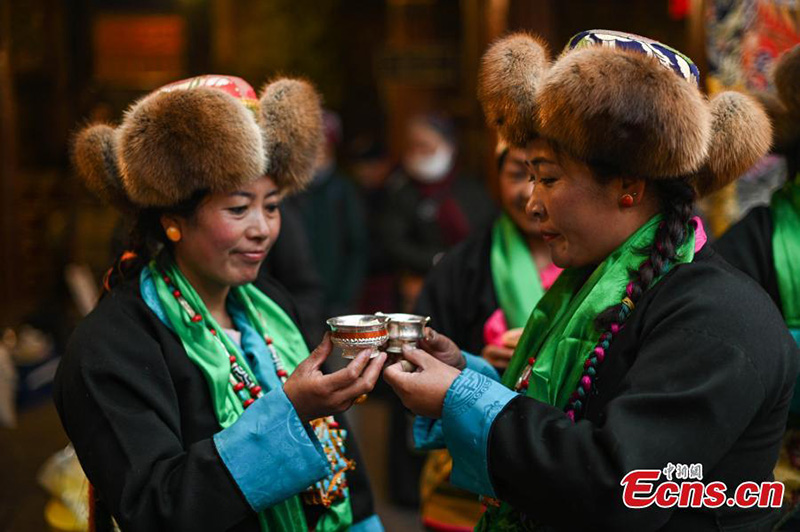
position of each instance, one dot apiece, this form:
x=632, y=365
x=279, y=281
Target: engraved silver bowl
x=356, y=332
x=404, y=329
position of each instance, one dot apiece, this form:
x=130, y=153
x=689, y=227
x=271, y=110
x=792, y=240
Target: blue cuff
x=370, y=524
x=481, y=365
x=428, y=434
x=470, y=406
x=270, y=453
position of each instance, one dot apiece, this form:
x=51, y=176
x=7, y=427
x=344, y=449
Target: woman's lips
x=253, y=256
x=548, y=237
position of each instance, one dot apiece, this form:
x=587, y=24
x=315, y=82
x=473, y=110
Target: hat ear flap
x=94, y=156
x=741, y=134
x=291, y=123
x=508, y=82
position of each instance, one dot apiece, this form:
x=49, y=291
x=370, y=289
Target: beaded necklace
x=591, y=366
x=327, y=430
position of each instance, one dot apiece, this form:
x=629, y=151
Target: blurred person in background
x=480, y=295
x=333, y=218
x=765, y=245
x=430, y=205
x=370, y=166
x=189, y=393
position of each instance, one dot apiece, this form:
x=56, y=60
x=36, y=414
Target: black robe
x=748, y=246
x=459, y=294
x=140, y=416
x=702, y=373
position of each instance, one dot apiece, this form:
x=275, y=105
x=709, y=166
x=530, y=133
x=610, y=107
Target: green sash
x=785, y=210
x=561, y=333
x=516, y=279
x=203, y=349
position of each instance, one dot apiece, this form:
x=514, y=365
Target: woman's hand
x=314, y=394
x=423, y=390
x=442, y=348
x=500, y=355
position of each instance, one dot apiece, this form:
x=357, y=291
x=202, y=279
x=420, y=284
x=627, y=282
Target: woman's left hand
x=423, y=390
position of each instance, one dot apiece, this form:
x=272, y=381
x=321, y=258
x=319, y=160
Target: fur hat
x=622, y=101
x=784, y=106
x=209, y=132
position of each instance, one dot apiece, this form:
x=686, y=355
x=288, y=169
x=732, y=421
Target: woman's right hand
x=314, y=394
x=442, y=348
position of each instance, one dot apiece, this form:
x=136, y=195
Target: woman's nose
x=260, y=227
x=534, y=206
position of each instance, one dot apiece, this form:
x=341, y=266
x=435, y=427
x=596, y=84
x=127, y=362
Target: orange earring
x=626, y=200
x=173, y=233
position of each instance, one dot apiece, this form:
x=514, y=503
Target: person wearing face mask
x=649, y=349
x=189, y=393
x=430, y=206
x=480, y=295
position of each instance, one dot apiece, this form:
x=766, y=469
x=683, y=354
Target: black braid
x=676, y=199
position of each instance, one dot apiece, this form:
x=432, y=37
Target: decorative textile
x=669, y=57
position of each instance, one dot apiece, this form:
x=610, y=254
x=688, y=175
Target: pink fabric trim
x=700, y=237
x=494, y=328
x=549, y=275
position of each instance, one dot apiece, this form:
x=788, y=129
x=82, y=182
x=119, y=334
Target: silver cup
x=356, y=332
x=404, y=329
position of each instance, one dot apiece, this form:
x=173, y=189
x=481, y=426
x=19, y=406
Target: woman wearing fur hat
x=189, y=393
x=649, y=349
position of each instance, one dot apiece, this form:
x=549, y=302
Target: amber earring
x=173, y=233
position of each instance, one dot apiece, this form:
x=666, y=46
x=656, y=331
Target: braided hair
x=676, y=199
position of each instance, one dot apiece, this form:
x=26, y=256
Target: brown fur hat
x=509, y=79
x=291, y=122
x=192, y=136
x=622, y=108
x=784, y=106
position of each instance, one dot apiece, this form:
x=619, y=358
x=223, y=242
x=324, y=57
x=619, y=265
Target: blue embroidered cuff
x=370, y=524
x=270, y=453
x=428, y=434
x=470, y=406
x=481, y=365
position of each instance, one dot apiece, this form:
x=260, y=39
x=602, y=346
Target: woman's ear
x=636, y=188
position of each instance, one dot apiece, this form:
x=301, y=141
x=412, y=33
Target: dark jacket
x=702, y=373
x=748, y=246
x=422, y=221
x=140, y=416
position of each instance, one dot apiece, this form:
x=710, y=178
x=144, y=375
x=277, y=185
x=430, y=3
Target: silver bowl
x=404, y=329
x=356, y=332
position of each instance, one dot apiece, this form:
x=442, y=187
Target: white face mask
x=430, y=168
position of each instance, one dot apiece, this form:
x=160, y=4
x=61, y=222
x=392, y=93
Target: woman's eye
x=271, y=208
x=238, y=210
x=547, y=180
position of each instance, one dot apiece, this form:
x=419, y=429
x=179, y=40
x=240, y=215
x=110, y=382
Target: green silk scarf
x=561, y=334
x=785, y=210
x=514, y=274
x=204, y=349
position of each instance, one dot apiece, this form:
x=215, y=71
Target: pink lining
x=700, y=237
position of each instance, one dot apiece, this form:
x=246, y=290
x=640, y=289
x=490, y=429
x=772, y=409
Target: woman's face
x=515, y=188
x=228, y=237
x=580, y=218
